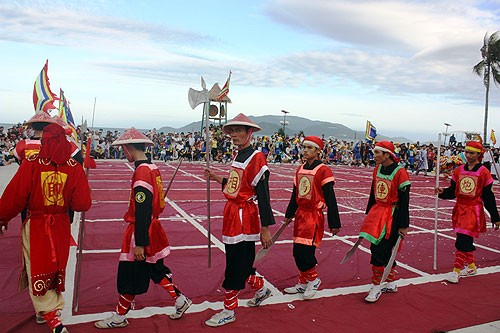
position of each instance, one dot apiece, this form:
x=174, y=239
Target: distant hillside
x=271, y=124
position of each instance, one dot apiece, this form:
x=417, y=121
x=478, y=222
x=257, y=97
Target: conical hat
x=241, y=120
x=132, y=135
x=41, y=117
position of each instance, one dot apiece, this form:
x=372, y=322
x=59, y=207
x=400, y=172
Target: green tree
x=489, y=68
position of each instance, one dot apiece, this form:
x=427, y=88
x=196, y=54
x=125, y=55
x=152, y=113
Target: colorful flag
x=493, y=138
x=66, y=115
x=371, y=132
x=225, y=90
x=43, y=98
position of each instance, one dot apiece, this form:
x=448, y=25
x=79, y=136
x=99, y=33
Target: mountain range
x=271, y=125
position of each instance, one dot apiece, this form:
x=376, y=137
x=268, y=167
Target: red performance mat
x=423, y=303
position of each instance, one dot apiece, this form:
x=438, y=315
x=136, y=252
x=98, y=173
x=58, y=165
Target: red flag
x=225, y=90
x=88, y=161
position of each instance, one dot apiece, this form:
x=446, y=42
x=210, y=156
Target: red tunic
x=30, y=147
x=27, y=148
x=468, y=214
x=148, y=176
x=309, y=219
x=378, y=222
x=48, y=192
x=241, y=218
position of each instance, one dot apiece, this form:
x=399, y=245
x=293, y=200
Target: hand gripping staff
x=262, y=251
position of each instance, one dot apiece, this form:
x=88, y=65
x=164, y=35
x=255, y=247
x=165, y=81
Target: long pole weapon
x=173, y=176
x=438, y=169
x=207, y=158
x=81, y=231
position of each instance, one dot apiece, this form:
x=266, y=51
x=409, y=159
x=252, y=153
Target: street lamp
x=446, y=132
x=284, y=122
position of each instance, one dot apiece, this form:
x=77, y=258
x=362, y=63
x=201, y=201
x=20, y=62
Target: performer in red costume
x=387, y=215
x=312, y=192
x=247, y=181
x=49, y=184
x=145, y=243
x=28, y=147
x=471, y=184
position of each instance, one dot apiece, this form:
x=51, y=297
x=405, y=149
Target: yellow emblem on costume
x=304, y=186
x=467, y=185
x=233, y=182
x=53, y=186
x=381, y=190
x=140, y=197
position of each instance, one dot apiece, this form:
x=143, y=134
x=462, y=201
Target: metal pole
x=206, y=106
x=437, y=202
x=446, y=132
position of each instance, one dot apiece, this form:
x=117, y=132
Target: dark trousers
x=239, y=265
x=304, y=256
x=465, y=243
x=381, y=253
x=133, y=276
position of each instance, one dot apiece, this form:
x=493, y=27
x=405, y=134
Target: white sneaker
x=259, y=297
x=299, y=288
x=182, y=303
x=374, y=293
x=114, y=321
x=453, y=277
x=311, y=288
x=222, y=318
x=468, y=272
x=390, y=287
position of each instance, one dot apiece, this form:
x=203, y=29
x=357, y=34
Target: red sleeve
x=325, y=175
x=19, y=150
x=80, y=199
x=16, y=194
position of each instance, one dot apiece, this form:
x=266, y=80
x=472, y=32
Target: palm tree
x=489, y=66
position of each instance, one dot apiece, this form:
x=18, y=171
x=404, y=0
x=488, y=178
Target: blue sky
x=404, y=65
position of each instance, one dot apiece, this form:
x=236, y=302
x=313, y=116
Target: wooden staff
x=438, y=165
x=173, y=176
x=81, y=231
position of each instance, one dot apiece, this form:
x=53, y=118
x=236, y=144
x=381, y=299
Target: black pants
x=304, y=256
x=381, y=253
x=239, y=265
x=133, y=276
x=465, y=243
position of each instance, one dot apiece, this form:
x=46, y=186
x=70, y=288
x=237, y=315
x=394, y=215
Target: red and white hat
x=132, y=135
x=41, y=117
x=241, y=120
x=314, y=141
x=59, y=121
x=386, y=147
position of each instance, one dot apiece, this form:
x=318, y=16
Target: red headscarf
x=387, y=147
x=475, y=147
x=55, y=146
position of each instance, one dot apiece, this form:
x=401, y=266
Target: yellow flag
x=493, y=138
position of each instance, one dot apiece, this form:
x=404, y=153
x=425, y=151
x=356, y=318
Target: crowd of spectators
x=416, y=157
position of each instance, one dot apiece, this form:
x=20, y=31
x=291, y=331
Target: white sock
x=228, y=312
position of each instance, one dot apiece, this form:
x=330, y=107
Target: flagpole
x=93, y=114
